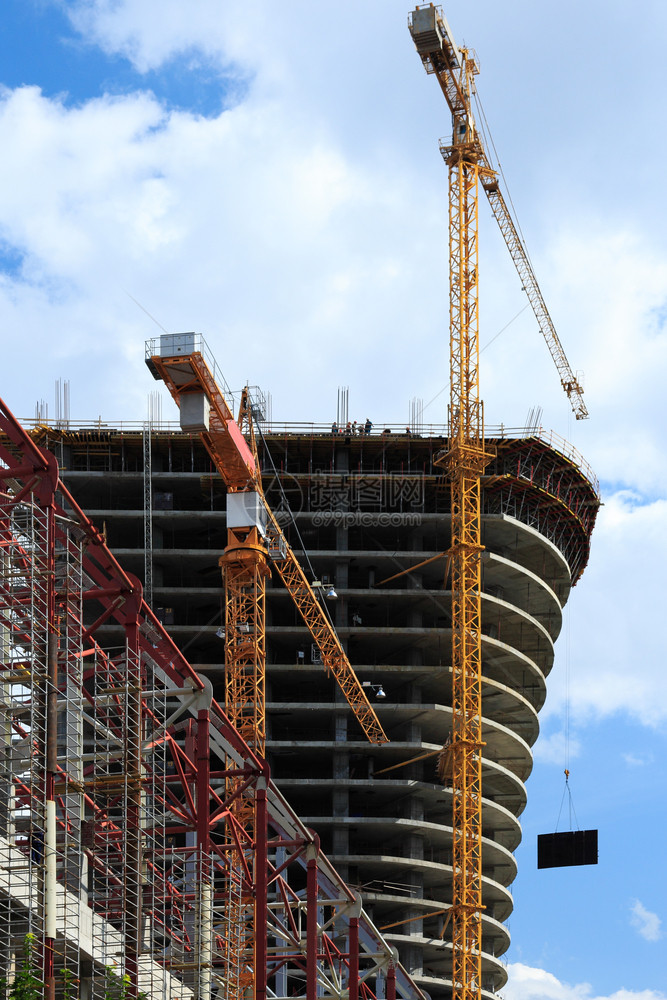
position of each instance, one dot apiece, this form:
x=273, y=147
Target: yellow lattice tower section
x=465, y=461
x=244, y=567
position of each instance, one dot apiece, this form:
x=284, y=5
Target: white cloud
x=615, y=663
x=648, y=924
x=606, y=287
x=556, y=748
x=303, y=232
x=309, y=222
x=251, y=221
x=622, y=302
x=133, y=30
x=638, y=760
x=527, y=983
x=82, y=182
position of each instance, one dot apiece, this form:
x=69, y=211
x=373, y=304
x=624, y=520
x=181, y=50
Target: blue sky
x=270, y=177
x=39, y=46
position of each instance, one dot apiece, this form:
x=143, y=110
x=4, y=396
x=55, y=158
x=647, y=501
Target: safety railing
x=317, y=429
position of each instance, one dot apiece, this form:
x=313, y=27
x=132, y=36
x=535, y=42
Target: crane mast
x=465, y=461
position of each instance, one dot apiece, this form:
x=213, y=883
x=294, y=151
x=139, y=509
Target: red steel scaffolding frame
x=121, y=859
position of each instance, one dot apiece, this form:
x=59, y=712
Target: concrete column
x=342, y=578
x=341, y=796
x=415, y=655
x=413, y=734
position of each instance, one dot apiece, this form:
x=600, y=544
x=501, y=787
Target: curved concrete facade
x=383, y=816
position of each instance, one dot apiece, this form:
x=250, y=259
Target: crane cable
x=571, y=810
x=567, y=790
x=488, y=138
x=481, y=351
x=489, y=143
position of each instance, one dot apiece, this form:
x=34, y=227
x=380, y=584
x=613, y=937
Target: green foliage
x=69, y=985
x=26, y=985
x=117, y=987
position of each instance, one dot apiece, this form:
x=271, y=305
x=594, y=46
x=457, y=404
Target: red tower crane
x=254, y=541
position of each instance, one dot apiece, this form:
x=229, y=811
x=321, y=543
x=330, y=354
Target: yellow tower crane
x=465, y=461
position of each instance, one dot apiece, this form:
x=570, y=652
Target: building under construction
x=345, y=827
x=369, y=517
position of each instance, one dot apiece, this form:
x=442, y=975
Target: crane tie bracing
x=465, y=461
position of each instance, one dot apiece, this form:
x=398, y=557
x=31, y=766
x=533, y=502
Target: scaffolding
x=148, y=512
x=123, y=867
